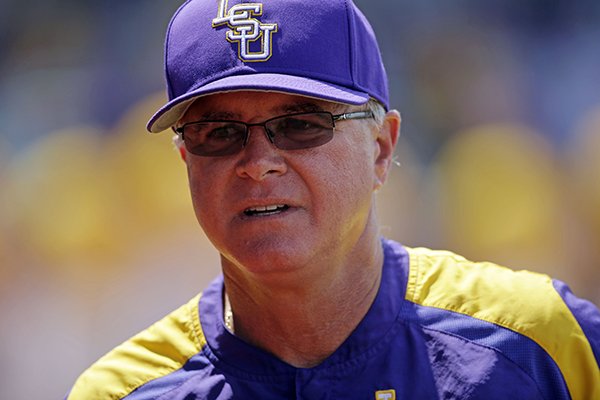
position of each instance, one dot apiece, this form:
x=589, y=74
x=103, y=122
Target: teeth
x=265, y=209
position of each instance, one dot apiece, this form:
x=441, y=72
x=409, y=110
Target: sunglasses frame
x=180, y=131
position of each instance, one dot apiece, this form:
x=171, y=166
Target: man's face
x=269, y=210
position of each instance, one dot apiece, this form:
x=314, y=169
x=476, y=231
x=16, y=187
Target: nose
x=260, y=158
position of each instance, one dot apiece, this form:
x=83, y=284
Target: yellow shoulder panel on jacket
x=524, y=302
x=155, y=352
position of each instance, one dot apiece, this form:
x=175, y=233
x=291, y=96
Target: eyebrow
x=217, y=115
x=285, y=109
x=301, y=107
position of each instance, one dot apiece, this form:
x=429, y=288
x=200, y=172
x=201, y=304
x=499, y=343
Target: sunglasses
x=286, y=132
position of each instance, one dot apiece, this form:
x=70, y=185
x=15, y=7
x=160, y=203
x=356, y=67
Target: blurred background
x=499, y=150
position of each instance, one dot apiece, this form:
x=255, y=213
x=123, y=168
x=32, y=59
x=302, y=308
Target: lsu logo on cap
x=245, y=30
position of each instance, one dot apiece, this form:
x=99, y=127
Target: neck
x=302, y=319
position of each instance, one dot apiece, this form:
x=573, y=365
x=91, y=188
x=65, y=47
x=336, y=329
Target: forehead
x=243, y=105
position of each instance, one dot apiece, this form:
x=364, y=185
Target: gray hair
x=377, y=109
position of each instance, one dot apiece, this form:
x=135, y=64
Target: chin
x=263, y=259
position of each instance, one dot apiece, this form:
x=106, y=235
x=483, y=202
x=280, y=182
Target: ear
x=180, y=146
x=182, y=153
x=386, y=140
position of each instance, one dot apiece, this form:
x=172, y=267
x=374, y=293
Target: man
x=281, y=113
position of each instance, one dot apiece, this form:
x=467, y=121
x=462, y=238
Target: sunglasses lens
x=301, y=131
x=288, y=132
x=213, y=139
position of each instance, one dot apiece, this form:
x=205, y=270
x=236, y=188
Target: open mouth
x=261, y=211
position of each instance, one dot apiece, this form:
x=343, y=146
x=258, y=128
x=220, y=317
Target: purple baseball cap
x=314, y=48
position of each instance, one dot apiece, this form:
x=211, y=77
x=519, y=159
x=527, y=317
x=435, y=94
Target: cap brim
x=171, y=112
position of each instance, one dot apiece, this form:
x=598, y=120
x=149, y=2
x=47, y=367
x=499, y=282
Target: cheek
x=203, y=174
x=354, y=165
x=346, y=179
x=195, y=184
x=203, y=189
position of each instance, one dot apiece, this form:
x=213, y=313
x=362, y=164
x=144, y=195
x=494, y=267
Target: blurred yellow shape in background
x=4, y=158
x=148, y=177
x=81, y=196
x=498, y=196
x=58, y=198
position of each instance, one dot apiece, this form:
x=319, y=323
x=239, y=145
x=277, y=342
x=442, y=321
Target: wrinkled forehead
x=244, y=105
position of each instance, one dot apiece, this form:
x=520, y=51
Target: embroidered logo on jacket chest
x=385, y=395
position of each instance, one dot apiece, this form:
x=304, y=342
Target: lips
x=272, y=209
